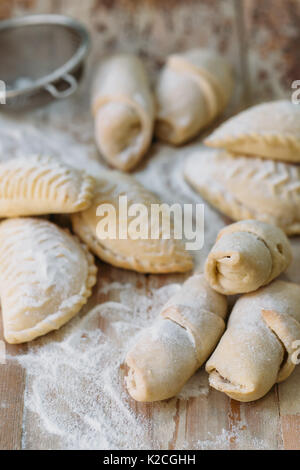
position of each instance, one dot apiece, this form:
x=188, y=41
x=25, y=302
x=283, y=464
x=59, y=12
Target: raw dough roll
x=123, y=107
x=247, y=255
x=267, y=130
x=193, y=88
x=256, y=350
x=168, y=353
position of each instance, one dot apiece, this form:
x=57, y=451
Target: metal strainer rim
x=75, y=60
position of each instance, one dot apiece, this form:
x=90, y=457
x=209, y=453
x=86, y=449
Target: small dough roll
x=247, y=255
x=193, y=88
x=256, y=351
x=169, y=352
x=123, y=108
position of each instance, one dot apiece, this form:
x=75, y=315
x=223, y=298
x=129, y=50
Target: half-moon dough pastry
x=256, y=350
x=248, y=188
x=40, y=184
x=46, y=276
x=193, y=88
x=143, y=255
x=170, y=351
x=247, y=255
x=123, y=108
x=269, y=130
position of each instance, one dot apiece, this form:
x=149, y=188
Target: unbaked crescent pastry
x=248, y=188
x=170, y=351
x=123, y=108
x=40, y=184
x=193, y=88
x=256, y=350
x=46, y=276
x=269, y=130
x=247, y=255
x=143, y=255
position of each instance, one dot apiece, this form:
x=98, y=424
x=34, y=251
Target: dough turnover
x=256, y=350
x=123, y=108
x=193, y=88
x=46, y=276
x=246, y=256
x=142, y=255
x=269, y=130
x=42, y=185
x=248, y=188
x=168, y=353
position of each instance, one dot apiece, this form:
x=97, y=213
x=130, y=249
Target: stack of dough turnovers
x=169, y=352
x=247, y=255
x=256, y=351
x=123, y=108
x=193, y=88
x=247, y=176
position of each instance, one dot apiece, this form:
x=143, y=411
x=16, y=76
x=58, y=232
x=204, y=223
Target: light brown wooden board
x=274, y=421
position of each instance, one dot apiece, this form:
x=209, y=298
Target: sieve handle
x=72, y=82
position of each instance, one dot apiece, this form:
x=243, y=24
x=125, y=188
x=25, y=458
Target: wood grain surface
x=262, y=41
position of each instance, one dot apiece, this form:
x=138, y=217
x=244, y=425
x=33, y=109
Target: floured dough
x=123, y=108
x=168, y=353
x=269, y=130
x=46, y=276
x=193, y=88
x=246, y=256
x=248, y=188
x=256, y=350
x=39, y=184
x=142, y=255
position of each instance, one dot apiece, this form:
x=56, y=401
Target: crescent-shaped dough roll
x=193, y=88
x=123, y=108
x=247, y=255
x=247, y=188
x=268, y=130
x=169, y=352
x=148, y=255
x=256, y=350
x=46, y=276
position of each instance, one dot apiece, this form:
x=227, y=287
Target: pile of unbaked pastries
x=47, y=273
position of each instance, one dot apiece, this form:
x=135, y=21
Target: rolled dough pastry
x=149, y=255
x=123, y=108
x=256, y=350
x=246, y=256
x=193, y=88
x=40, y=184
x=269, y=130
x=46, y=276
x=168, y=353
x=248, y=188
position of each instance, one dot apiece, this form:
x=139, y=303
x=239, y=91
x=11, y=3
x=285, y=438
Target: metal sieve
x=42, y=57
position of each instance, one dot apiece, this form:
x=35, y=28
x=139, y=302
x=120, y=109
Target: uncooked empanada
x=248, y=188
x=46, y=276
x=256, y=350
x=40, y=184
x=123, y=108
x=142, y=255
x=193, y=88
x=169, y=352
x=247, y=255
x=269, y=130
